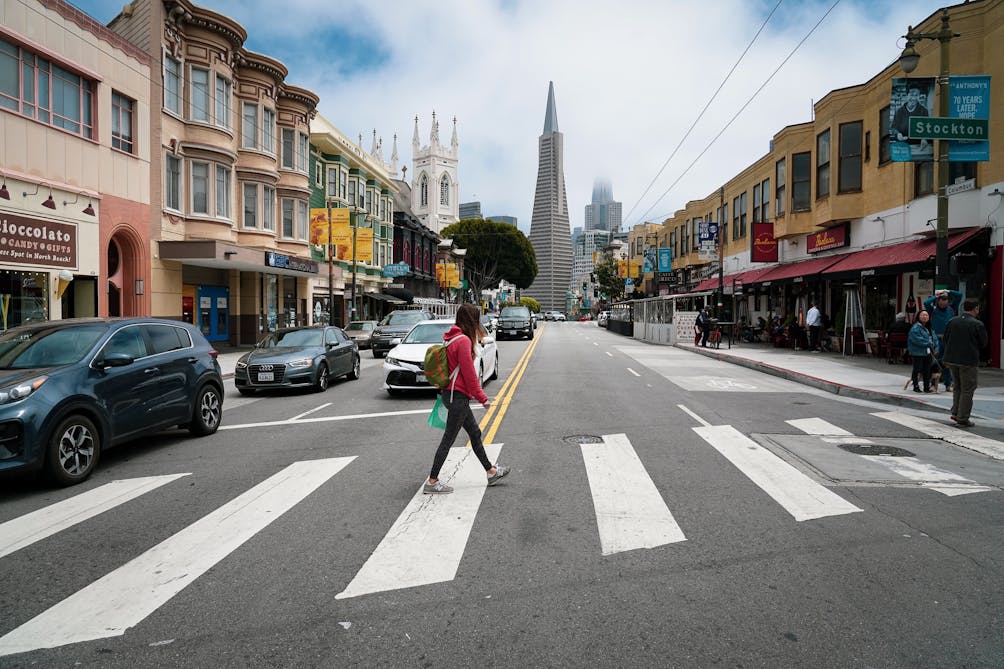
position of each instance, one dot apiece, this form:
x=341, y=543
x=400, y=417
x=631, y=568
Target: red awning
x=907, y=253
x=791, y=270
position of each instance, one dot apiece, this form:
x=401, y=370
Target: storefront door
x=214, y=312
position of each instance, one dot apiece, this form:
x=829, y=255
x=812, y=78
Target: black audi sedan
x=298, y=357
x=71, y=388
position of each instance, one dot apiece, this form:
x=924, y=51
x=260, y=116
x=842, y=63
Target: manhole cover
x=583, y=439
x=876, y=449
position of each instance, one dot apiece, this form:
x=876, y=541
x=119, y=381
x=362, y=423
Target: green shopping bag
x=437, y=417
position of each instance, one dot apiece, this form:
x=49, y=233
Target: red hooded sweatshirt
x=459, y=354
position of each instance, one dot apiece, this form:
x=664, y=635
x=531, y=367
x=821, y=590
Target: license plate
x=510, y=332
x=266, y=376
x=420, y=378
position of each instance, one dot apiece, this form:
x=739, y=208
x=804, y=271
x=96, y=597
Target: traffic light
x=583, y=286
x=596, y=292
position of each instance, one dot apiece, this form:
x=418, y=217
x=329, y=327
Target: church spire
x=434, y=134
x=393, y=156
x=415, y=143
x=551, y=116
x=373, y=146
x=454, y=142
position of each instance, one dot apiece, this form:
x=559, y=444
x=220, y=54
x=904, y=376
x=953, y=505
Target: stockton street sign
x=926, y=127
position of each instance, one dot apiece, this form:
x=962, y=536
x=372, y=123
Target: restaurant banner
x=831, y=238
x=27, y=241
x=341, y=235
x=764, y=243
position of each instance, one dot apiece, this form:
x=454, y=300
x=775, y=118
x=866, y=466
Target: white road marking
x=633, y=372
x=23, y=531
x=802, y=497
x=630, y=512
x=307, y=413
x=610, y=354
x=427, y=541
x=596, y=343
x=817, y=426
x=124, y=597
x=949, y=433
x=694, y=415
x=945, y=482
x=325, y=419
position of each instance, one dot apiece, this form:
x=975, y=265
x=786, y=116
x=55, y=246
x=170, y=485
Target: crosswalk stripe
x=427, y=541
x=945, y=482
x=630, y=512
x=800, y=496
x=124, y=597
x=23, y=531
x=817, y=426
x=949, y=433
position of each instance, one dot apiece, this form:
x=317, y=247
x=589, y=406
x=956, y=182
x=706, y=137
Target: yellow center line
x=497, y=412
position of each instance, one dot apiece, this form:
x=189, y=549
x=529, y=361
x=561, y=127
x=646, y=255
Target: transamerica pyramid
x=549, y=232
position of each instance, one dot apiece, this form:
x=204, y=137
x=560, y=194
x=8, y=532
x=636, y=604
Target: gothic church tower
x=435, y=191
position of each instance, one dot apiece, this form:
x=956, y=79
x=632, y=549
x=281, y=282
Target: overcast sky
x=630, y=78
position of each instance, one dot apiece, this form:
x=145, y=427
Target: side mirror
x=115, y=360
x=395, y=341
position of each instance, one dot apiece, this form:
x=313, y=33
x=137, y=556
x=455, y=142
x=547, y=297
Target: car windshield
x=48, y=347
x=403, y=318
x=430, y=333
x=515, y=312
x=360, y=325
x=292, y=338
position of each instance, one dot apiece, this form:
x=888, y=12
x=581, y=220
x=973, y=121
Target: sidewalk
x=858, y=376
x=228, y=356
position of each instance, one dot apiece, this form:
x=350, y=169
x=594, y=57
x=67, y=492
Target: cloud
x=630, y=78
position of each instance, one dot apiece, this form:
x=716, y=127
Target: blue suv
x=72, y=388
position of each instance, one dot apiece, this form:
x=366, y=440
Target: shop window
x=801, y=181
x=23, y=297
x=122, y=122
x=850, y=158
x=823, y=164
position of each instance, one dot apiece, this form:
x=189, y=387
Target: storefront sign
x=396, y=269
x=665, y=260
x=27, y=241
x=764, y=243
x=832, y=238
x=290, y=262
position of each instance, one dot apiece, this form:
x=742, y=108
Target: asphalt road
x=662, y=511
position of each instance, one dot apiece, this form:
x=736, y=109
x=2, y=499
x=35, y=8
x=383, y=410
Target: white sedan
x=405, y=362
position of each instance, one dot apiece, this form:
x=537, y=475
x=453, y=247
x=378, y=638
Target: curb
x=807, y=380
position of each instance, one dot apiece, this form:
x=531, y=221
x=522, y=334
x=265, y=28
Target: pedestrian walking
x=965, y=337
x=943, y=306
x=923, y=347
x=704, y=324
x=813, y=320
x=457, y=396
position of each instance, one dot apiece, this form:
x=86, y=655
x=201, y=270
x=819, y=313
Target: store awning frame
x=895, y=255
x=383, y=297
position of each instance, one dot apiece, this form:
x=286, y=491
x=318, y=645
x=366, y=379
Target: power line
x=740, y=111
x=701, y=115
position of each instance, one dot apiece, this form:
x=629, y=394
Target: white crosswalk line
x=23, y=531
x=124, y=597
x=945, y=482
x=630, y=512
x=949, y=433
x=800, y=496
x=427, y=541
x=817, y=426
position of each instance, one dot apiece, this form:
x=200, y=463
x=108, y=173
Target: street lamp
x=908, y=61
x=353, y=312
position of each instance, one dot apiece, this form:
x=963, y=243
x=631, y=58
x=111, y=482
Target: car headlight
x=17, y=393
x=242, y=364
x=393, y=361
x=302, y=362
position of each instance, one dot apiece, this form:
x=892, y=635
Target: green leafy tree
x=531, y=304
x=611, y=285
x=495, y=252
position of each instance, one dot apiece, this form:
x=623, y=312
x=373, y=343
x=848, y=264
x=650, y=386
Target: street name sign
x=926, y=127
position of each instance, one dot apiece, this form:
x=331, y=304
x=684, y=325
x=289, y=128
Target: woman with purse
x=923, y=347
x=457, y=395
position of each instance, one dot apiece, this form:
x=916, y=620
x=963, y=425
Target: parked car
x=298, y=357
x=69, y=389
x=515, y=322
x=361, y=332
x=393, y=327
x=406, y=361
x=488, y=323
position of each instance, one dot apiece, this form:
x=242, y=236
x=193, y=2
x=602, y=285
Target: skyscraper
x=549, y=232
x=603, y=213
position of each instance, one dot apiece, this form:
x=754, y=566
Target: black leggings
x=922, y=368
x=460, y=415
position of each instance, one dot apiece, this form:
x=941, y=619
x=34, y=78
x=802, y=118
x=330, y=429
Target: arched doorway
x=125, y=282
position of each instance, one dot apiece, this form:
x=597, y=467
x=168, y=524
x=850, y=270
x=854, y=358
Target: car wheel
x=208, y=411
x=247, y=392
x=495, y=370
x=74, y=449
x=530, y=336
x=322, y=378
x=354, y=374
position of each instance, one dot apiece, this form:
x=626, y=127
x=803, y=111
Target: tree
x=531, y=304
x=611, y=285
x=495, y=252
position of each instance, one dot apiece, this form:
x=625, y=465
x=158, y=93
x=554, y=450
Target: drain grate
x=583, y=439
x=876, y=449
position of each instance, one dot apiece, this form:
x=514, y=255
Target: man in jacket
x=965, y=337
x=704, y=324
x=943, y=307
x=814, y=322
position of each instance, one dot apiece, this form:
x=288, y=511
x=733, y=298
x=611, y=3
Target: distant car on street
x=515, y=322
x=361, y=332
x=405, y=363
x=394, y=327
x=69, y=389
x=296, y=358
x=554, y=316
